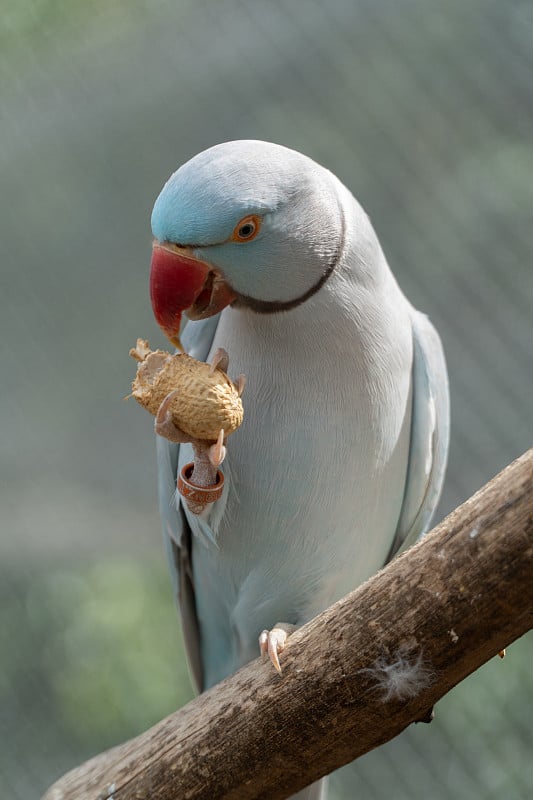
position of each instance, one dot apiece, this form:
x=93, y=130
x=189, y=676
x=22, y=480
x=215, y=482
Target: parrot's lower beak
x=180, y=282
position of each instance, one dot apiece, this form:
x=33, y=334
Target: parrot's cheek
x=180, y=282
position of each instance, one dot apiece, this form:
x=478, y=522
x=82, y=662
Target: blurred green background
x=424, y=109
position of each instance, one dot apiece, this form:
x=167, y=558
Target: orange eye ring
x=247, y=229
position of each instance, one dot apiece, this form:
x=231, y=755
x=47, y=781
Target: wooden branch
x=354, y=677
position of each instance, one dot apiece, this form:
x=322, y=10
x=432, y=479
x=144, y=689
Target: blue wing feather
x=430, y=430
x=197, y=340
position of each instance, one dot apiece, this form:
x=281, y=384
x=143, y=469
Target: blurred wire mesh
x=424, y=110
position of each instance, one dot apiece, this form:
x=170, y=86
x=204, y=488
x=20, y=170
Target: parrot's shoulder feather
x=197, y=339
x=430, y=430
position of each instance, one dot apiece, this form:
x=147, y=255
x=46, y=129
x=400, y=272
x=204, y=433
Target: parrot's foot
x=273, y=642
x=201, y=482
x=164, y=426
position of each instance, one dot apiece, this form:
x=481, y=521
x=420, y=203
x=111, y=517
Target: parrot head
x=247, y=223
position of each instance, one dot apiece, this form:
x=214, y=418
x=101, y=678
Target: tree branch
x=354, y=677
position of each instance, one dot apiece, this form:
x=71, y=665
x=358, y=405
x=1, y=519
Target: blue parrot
x=341, y=456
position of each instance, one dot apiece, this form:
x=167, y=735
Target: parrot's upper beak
x=180, y=282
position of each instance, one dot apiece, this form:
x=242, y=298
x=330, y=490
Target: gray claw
x=217, y=451
x=220, y=360
x=240, y=383
x=164, y=425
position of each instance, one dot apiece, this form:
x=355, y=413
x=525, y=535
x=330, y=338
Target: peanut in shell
x=207, y=401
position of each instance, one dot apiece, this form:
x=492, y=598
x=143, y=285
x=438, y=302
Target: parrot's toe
x=273, y=642
x=220, y=360
x=217, y=451
x=240, y=383
x=164, y=426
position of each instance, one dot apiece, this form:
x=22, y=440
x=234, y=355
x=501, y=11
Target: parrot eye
x=246, y=229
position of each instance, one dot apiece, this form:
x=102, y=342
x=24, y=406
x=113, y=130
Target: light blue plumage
x=340, y=459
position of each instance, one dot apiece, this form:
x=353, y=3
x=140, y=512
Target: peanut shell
x=207, y=401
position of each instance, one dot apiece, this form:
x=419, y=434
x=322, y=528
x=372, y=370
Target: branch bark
x=354, y=677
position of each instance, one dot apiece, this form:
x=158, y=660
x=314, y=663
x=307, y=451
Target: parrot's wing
x=196, y=340
x=430, y=430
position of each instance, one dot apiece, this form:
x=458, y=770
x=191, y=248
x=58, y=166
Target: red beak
x=179, y=282
x=176, y=280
